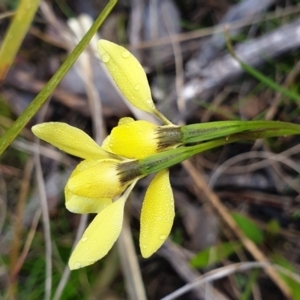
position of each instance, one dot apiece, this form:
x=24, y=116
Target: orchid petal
x=125, y=120
x=105, y=144
x=128, y=75
x=99, y=237
x=80, y=204
x=70, y=139
x=157, y=214
x=135, y=139
x=83, y=205
x=97, y=179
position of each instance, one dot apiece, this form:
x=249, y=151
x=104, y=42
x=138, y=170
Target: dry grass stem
x=213, y=199
x=226, y=271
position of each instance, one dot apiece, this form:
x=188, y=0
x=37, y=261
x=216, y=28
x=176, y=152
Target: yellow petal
x=128, y=75
x=98, y=179
x=125, y=120
x=83, y=205
x=99, y=237
x=69, y=139
x=135, y=139
x=157, y=214
x=105, y=144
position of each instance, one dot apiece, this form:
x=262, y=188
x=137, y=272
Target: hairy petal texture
x=135, y=139
x=70, y=139
x=98, y=179
x=157, y=214
x=99, y=237
x=128, y=74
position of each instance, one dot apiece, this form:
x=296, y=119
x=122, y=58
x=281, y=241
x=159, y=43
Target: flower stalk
x=196, y=133
x=169, y=158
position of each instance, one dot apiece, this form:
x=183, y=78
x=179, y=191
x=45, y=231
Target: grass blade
x=16, y=33
x=40, y=99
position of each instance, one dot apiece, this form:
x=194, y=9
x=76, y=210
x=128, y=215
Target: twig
x=130, y=266
x=227, y=218
x=216, y=29
x=85, y=72
x=28, y=242
x=66, y=273
x=179, y=82
x=269, y=157
x=225, y=271
x=18, y=224
x=46, y=223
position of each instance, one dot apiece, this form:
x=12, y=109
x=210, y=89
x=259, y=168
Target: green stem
x=160, y=116
x=169, y=158
x=196, y=133
x=40, y=99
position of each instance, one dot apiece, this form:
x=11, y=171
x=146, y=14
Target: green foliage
x=11, y=4
x=292, y=284
x=215, y=254
x=296, y=214
x=16, y=32
x=4, y=108
x=248, y=284
x=262, y=78
x=249, y=228
x=273, y=227
x=40, y=99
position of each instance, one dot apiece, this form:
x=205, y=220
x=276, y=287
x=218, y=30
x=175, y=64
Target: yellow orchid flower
x=97, y=179
x=94, y=184
x=102, y=182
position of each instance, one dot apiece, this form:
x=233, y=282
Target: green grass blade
x=250, y=229
x=259, y=76
x=292, y=284
x=40, y=99
x=250, y=282
x=269, y=82
x=16, y=33
x=215, y=254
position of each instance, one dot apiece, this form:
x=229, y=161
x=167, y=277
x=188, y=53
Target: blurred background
x=194, y=79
